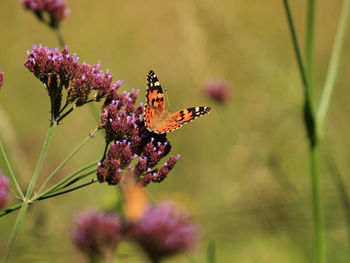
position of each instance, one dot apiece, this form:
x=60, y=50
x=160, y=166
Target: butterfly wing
x=155, y=101
x=177, y=119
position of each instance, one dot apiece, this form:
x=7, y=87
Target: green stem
x=333, y=66
x=40, y=161
x=317, y=207
x=66, y=160
x=94, y=111
x=8, y=171
x=15, y=230
x=60, y=37
x=311, y=126
x=73, y=181
x=68, y=190
x=54, y=187
x=310, y=46
x=10, y=210
x=296, y=48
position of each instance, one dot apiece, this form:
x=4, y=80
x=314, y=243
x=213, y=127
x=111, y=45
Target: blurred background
x=244, y=172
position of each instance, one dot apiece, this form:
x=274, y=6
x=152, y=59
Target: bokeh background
x=244, y=172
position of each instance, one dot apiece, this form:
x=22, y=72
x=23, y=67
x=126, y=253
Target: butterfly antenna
x=167, y=98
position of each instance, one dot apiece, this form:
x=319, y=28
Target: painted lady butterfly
x=160, y=120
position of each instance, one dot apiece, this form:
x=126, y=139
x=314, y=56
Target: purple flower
x=1, y=78
x=218, y=90
x=127, y=139
x=55, y=9
x=4, y=189
x=60, y=70
x=97, y=234
x=164, y=231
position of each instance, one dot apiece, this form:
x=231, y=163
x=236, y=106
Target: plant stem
x=60, y=36
x=94, y=111
x=54, y=187
x=10, y=210
x=311, y=126
x=317, y=207
x=73, y=181
x=333, y=66
x=15, y=230
x=70, y=156
x=310, y=46
x=40, y=161
x=8, y=171
x=68, y=190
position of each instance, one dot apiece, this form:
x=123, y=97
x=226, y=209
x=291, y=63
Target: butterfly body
x=160, y=120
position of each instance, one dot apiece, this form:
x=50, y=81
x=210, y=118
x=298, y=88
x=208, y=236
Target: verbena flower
x=60, y=70
x=164, y=231
x=1, y=79
x=218, y=90
x=4, y=191
x=131, y=147
x=97, y=234
x=55, y=10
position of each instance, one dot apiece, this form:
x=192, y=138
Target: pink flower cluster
x=97, y=234
x=218, y=90
x=60, y=69
x=4, y=189
x=161, y=232
x=127, y=139
x=55, y=9
x=164, y=231
x=1, y=79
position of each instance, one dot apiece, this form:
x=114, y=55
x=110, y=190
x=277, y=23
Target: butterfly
x=160, y=120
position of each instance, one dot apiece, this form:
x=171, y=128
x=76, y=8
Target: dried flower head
x=218, y=90
x=1, y=79
x=97, y=233
x=60, y=70
x=4, y=190
x=164, y=231
x=129, y=145
x=55, y=10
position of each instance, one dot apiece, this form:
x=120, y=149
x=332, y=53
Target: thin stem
x=317, y=208
x=311, y=126
x=296, y=47
x=309, y=116
x=60, y=36
x=94, y=111
x=10, y=210
x=15, y=230
x=77, y=179
x=54, y=187
x=310, y=46
x=68, y=190
x=70, y=156
x=66, y=113
x=333, y=66
x=40, y=161
x=8, y=171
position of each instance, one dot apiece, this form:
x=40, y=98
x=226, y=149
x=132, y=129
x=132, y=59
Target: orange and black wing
x=179, y=118
x=155, y=101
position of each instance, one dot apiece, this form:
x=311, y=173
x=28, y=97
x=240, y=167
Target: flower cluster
x=1, y=79
x=97, y=233
x=218, y=90
x=4, y=189
x=130, y=145
x=162, y=231
x=55, y=9
x=60, y=69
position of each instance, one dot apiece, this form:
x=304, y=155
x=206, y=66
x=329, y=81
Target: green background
x=244, y=172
